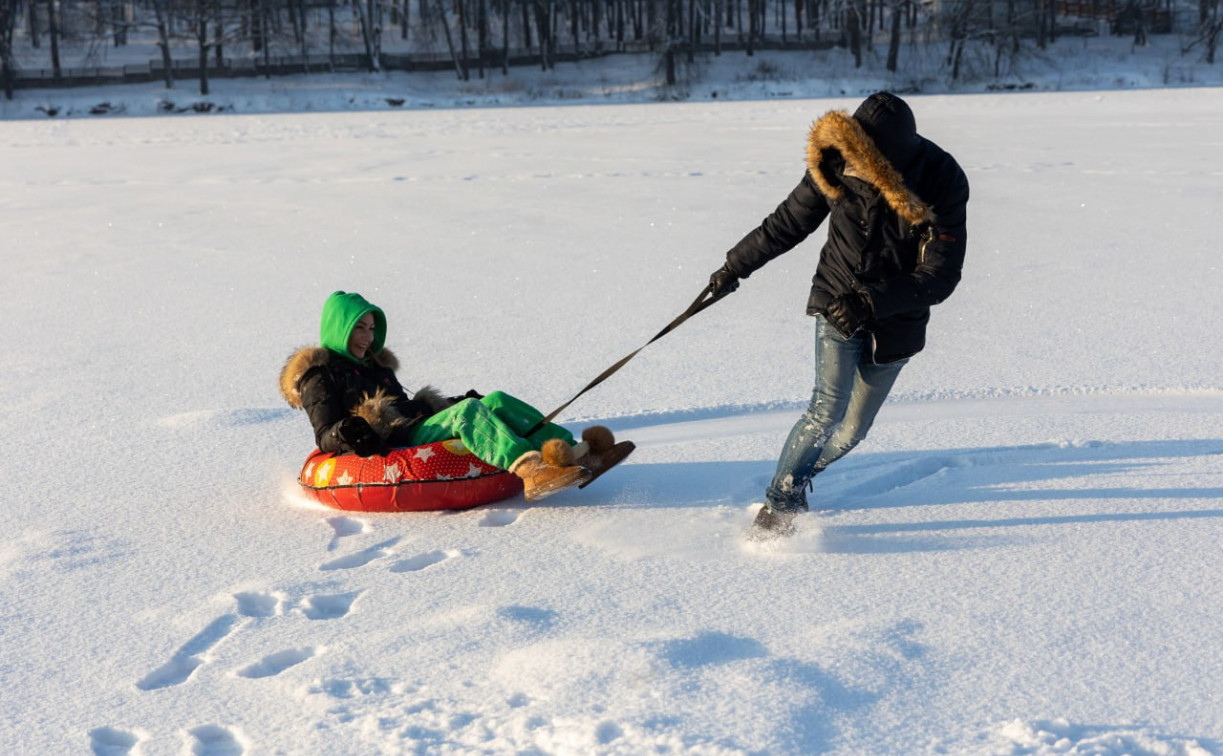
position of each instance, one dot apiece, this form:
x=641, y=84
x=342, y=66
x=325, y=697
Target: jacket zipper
x=926, y=239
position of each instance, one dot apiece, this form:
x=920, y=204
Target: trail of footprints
x=205, y=740
x=253, y=606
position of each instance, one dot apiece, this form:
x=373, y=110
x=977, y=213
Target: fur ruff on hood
x=376, y=409
x=308, y=357
x=838, y=130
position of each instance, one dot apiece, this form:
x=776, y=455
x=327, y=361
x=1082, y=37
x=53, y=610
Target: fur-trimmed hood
x=313, y=356
x=380, y=409
x=838, y=131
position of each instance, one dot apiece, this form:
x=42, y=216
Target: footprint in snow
x=424, y=561
x=343, y=689
x=174, y=672
x=190, y=656
x=608, y=732
x=111, y=741
x=328, y=607
x=214, y=740
x=344, y=527
x=360, y=558
x=530, y=617
x=69, y=550
x=710, y=649
x=257, y=604
x=498, y=518
x=273, y=664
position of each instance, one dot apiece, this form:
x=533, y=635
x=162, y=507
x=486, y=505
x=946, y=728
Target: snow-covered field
x=1024, y=558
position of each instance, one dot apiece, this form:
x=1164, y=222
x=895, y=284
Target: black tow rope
x=705, y=299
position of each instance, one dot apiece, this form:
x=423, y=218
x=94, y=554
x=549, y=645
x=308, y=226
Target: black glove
x=848, y=312
x=723, y=281
x=360, y=437
x=472, y=394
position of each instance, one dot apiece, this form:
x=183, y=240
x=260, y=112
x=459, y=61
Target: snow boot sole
x=564, y=478
x=608, y=459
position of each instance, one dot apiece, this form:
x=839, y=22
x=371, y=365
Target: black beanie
x=889, y=122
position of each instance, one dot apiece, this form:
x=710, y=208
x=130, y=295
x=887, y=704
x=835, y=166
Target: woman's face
x=362, y=336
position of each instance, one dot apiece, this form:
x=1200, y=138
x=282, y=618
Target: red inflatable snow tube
x=442, y=475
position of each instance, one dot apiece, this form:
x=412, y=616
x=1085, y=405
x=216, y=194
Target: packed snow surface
x=1023, y=558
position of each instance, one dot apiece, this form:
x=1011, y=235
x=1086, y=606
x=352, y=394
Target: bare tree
x=7, y=20
x=460, y=9
x=1046, y=24
x=672, y=33
x=1210, y=28
x=853, y=30
x=505, y=37
x=113, y=15
x=482, y=34
x=197, y=17
x=438, y=17
x=693, y=31
x=203, y=22
x=368, y=13
x=300, y=21
x=896, y=11
x=544, y=16
x=262, y=33
x=753, y=28
x=619, y=21
x=957, y=16
x=53, y=29
x=161, y=20
x=332, y=31
x=203, y=9
x=33, y=30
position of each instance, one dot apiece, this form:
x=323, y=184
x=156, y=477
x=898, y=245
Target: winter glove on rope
x=848, y=312
x=723, y=281
x=361, y=438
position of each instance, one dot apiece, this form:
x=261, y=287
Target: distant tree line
x=488, y=34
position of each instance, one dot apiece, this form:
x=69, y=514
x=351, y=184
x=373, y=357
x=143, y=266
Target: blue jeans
x=849, y=390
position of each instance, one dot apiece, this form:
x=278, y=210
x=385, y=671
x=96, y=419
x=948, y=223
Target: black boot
x=771, y=524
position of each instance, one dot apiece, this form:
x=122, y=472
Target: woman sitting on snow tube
x=356, y=404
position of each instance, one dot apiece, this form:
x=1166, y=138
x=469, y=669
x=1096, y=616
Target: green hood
x=340, y=314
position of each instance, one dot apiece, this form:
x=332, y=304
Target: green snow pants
x=490, y=428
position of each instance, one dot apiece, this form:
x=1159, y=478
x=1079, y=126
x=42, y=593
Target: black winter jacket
x=895, y=233
x=331, y=388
